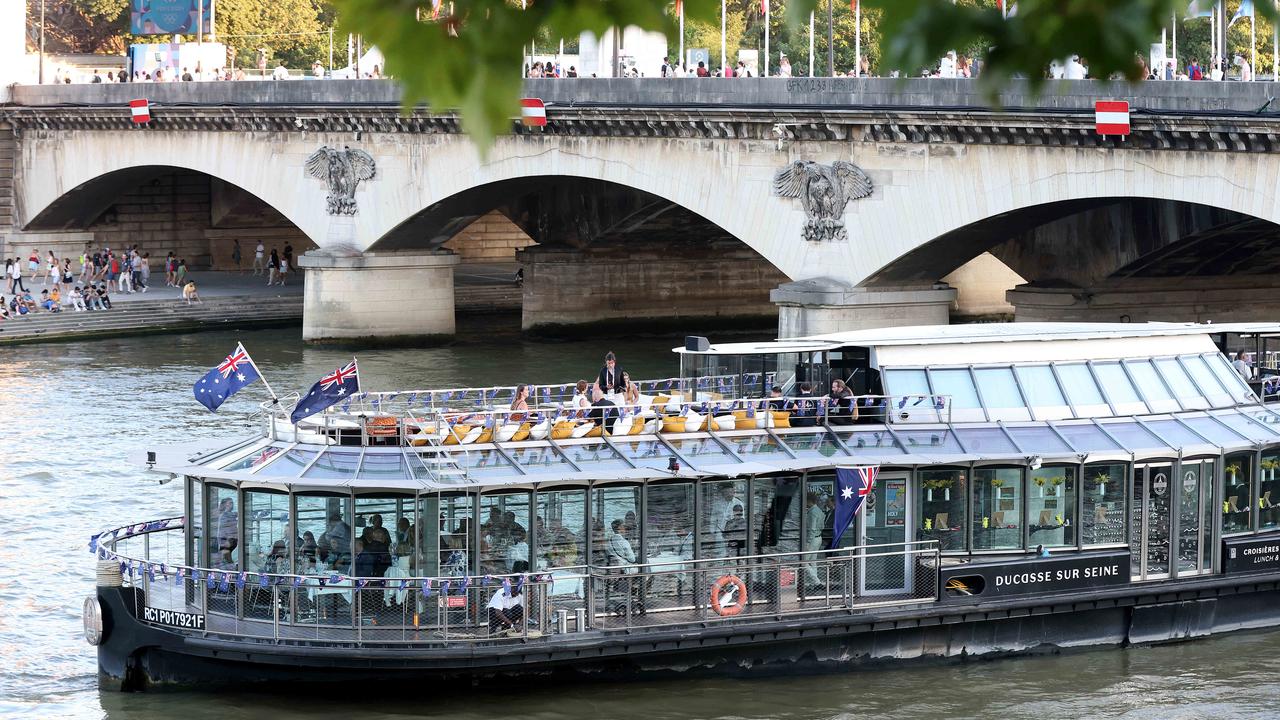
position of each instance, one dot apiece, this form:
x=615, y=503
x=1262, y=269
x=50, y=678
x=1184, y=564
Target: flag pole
x=680, y=12
x=810, y=43
x=766, y=39
x=274, y=400
x=1275, y=47
x=857, y=38
x=1174, y=20
x=723, y=50
x=1253, y=44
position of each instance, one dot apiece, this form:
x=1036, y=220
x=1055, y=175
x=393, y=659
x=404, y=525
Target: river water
x=72, y=414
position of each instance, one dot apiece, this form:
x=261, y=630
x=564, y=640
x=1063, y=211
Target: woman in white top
x=581, y=403
x=51, y=269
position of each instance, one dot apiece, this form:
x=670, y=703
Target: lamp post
x=41, y=77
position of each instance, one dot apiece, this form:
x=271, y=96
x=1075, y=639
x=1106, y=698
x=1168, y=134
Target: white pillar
x=364, y=296
x=810, y=43
x=765, y=72
x=1175, y=45
x=1253, y=47
x=723, y=50
x=857, y=35
x=14, y=67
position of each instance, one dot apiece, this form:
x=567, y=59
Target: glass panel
x=1230, y=379
x=254, y=459
x=884, y=524
x=1000, y=392
x=813, y=445
x=997, y=508
x=1051, y=506
x=1117, y=383
x=457, y=533
x=705, y=450
x=615, y=533
x=880, y=440
x=1157, y=395
x=958, y=384
x=1081, y=388
x=1104, y=520
x=1248, y=428
x=669, y=533
x=722, y=508
x=504, y=534
x=225, y=552
x=1040, y=385
x=537, y=460
x=595, y=457
x=1269, y=487
x=1039, y=440
x=1087, y=438
x=775, y=514
x=650, y=454
x=748, y=445
x=377, y=521
x=1214, y=431
x=1193, y=493
x=940, y=507
x=1236, y=493
x=1158, y=505
x=1205, y=381
x=986, y=441
x=197, y=557
x=1177, y=378
x=288, y=465
x=821, y=487
x=1174, y=433
x=383, y=466
x=334, y=465
x=1207, y=511
x=485, y=464
x=562, y=528
x=266, y=531
x=929, y=441
x=906, y=382
x=1133, y=436
x=325, y=524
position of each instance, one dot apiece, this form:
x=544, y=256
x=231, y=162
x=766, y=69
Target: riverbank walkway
x=229, y=300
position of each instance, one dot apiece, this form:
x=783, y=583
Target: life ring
x=728, y=595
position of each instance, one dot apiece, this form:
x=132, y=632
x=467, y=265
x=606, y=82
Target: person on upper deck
x=610, y=378
x=581, y=403
x=804, y=408
x=776, y=401
x=519, y=403
x=841, y=406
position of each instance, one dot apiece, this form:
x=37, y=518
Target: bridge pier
x=388, y=297
x=1243, y=298
x=668, y=284
x=824, y=305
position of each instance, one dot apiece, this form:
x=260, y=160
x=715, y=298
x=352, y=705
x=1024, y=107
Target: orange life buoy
x=728, y=595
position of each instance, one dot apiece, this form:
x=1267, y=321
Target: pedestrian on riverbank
x=146, y=271
x=15, y=277
x=284, y=268
x=189, y=293
x=33, y=263
x=288, y=255
x=50, y=269
x=68, y=277
x=180, y=277
x=258, y=267
x=170, y=270
x=235, y=255
x=273, y=268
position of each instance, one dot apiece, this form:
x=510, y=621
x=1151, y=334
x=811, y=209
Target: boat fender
x=728, y=595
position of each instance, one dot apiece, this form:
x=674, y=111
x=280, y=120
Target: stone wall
x=491, y=238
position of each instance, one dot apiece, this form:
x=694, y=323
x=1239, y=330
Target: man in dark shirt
x=805, y=413
x=610, y=378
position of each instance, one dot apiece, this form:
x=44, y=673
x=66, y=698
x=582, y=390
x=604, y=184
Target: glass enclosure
x=1237, y=506
x=1103, y=521
x=562, y=528
x=997, y=508
x=1051, y=507
x=940, y=513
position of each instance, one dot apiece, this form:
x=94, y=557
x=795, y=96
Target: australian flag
x=853, y=485
x=332, y=388
x=232, y=375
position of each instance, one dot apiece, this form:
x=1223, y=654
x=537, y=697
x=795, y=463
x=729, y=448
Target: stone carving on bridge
x=342, y=170
x=824, y=190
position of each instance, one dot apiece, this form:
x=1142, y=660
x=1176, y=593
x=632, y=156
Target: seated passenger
x=841, y=406
x=517, y=551
x=805, y=408
x=581, y=403
x=632, y=393
x=618, y=549
x=506, y=609
x=776, y=401
x=520, y=404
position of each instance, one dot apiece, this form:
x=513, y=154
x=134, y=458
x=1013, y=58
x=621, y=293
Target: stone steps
x=469, y=299
x=150, y=316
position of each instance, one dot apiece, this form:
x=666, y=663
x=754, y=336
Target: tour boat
x=1018, y=488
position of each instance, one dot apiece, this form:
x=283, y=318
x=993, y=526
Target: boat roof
x=983, y=333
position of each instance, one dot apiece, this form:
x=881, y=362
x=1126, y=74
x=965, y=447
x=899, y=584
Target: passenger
x=805, y=412
x=506, y=609
x=1242, y=367
x=735, y=532
x=841, y=407
x=815, y=519
x=618, y=548
x=404, y=537
x=520, y=404
x=308, y=546
x=366, y=563
x=377, y=543
x=581, y=402
x=228, y=525
x=339, y=533
x=278, y=559
x=610, y=379
x=776, y=401
x=632, y=396
x=518, y=551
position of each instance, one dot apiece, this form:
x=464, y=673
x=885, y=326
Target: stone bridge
x=652, y=198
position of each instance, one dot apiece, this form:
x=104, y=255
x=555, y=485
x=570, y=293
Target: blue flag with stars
x=332, y=388
x=853, y=485
x=231, y=376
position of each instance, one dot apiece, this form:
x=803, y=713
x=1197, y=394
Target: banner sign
x=1036, y=576
x=166, y=17
x=1241, y=555
x=173, y=618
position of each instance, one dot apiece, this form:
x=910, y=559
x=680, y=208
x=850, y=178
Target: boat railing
x=400, y=608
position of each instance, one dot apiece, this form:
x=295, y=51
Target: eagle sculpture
x=342, y=170
x=824, y=190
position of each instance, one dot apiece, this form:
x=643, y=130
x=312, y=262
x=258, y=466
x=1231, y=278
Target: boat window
x=997, y=508
x=1134, y=437
x=1269, y=490
x=1119, y=388
x=562, y=528
x=706, y=450
x=1104, y=517
x=1206, y=381
x=958, y=384
x=1237, y=493
x=1239, y=422
x=325, y=525
x=877, y=442
x=334, y=465
x=504, y=533
x=1153, y=390
x=1085, y=437
x=1268, y=418
x=905, y=382
x=775, y=515
x=1000, y=394
x=1177, y=378
x=669, y=533
x=457, y=534
x=821, y=486
x=755, y=444
x=225, y=551
x=985, y=441
x=724, y=518
x=813, y=445
x=941, y=507
x=383, y=466
x=266, y=532
x=483, y=464
x=1173, y=433
x=615, y=530
x=1039, y=440
x=1214, y=431
x=1082, y=390
x=594, y=457
x=1043, y=392
x=937, y=441
x=380, y=533
x=196, y=493
x=1230, y=379
x=648, y=454
x=1051, y=507
x=289, y=464
x=539, y=459
x=253, y=459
